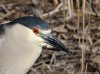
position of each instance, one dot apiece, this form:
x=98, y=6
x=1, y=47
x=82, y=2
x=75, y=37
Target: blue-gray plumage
x=30, y=22
x=1, y=28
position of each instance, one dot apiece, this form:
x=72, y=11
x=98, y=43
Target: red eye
x=35, y=30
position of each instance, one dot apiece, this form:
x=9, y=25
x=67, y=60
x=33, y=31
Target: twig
x=36, y=9
x=57, y=9
x=69, y=8
x=86, y=68
x=83, y=49
x=8, y=14
x=60, y=29
x=92, y=13
x=53, y=59
x=4, y=8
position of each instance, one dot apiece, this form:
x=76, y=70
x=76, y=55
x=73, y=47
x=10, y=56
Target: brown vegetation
x=76, y=25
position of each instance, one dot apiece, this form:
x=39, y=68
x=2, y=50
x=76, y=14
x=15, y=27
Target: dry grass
x=78, y=27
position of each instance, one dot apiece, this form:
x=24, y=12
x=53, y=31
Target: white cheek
x=46, y=45
x=46, y=31
x=37, y=39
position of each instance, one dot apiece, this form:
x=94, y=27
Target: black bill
x=56, y=43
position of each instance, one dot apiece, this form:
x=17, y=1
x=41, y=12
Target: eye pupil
x=35, y=30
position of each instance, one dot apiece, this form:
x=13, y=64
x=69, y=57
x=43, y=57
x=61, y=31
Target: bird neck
x=18, y=50
x=19, y=34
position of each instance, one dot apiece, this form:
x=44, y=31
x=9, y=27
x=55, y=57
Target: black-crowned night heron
x=21, y=42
